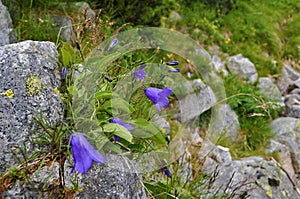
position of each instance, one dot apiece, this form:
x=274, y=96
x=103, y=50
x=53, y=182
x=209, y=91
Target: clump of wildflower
x=159, y=96
x=84, y=153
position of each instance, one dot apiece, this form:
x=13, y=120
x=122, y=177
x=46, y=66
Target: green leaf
x=103, y=95
x=146, y=129
x=67, y=53
x=119, y=130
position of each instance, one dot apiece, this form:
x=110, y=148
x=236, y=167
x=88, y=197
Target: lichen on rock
x=9, y=93
x=34, y=85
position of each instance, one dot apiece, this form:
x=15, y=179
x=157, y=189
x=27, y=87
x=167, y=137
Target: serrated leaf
x=119, y=130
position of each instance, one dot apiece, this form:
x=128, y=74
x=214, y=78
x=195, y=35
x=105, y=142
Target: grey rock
x=227, y=126
x=242, y=66
x=5, y=25
x=65, y=27
x=292, y=111
x=287, y=133
x=284, y=155
x=196, y=102
x=289, y=80
x=76, y=7
x=219, y=65
x=269, y=89
x=252, y=177
x=204, y=53
x=119, y=178
x=291, y=73
x=161, y=122
x=34, y=62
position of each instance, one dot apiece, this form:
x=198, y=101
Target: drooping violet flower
x=172, y=63
x=108, y=78
x=63, y=73
x=140, y=74
x=159, y=96
x=120, y=122
x=84, y=153
x=113, y=43
x=167, y=172
x=175, y=70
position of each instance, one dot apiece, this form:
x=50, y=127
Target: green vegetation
x=265, y=32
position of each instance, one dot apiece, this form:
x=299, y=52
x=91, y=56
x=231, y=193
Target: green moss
x=34, y=85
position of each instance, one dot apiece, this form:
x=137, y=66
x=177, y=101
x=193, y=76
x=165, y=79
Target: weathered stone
x=196, y=102
x=253, y=178
x=27, y=82
x=287, y=133
x=118, y=178
x=269, y=89
x=219, y=65
x=242, y=66
x=5, y=25
x=289, y=80
x=227, y=124
x=64, y=27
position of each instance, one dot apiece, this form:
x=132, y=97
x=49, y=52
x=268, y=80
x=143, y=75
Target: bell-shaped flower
x=120, y=122
x=175, y=70
x=172, y=63
x=140, y=74
x=159, y=96
x=84, y=153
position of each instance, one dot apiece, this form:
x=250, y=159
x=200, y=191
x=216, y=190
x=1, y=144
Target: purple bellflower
x=113, y=43
x=175, y=70
x=159, y=96
x=172, y=63
x=120, y=122
x=63, y=73
x=84, y=153
x=140, y=74
x=167, y=172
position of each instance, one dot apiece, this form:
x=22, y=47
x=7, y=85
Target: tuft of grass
x=254, y=112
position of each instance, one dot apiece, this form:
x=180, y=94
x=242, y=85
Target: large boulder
x=27, y=83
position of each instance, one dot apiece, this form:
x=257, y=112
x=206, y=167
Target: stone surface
x=287, y=133
x=269, y=89
x=226, y=123
x=5, y=25
x=252, y=178
x=242, y=66
x=196, y=102
x=64, y=27
x=23, y=64
x=118, y=178
x=219, y=65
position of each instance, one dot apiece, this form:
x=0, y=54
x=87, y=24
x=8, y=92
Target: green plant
x=254, y=112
